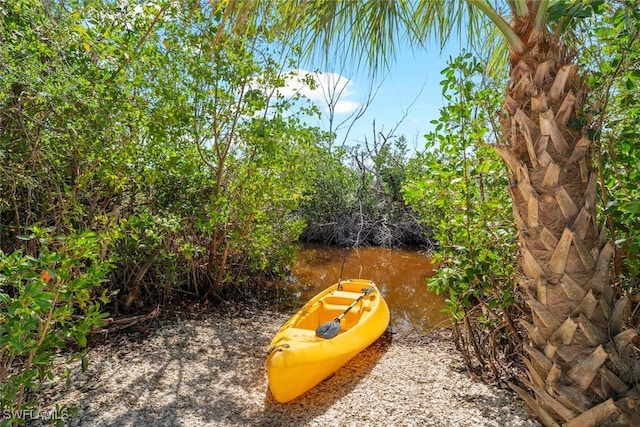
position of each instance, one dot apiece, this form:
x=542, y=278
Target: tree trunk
x=581, y=359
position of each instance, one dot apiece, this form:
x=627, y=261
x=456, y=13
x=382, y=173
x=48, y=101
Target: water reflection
x=399, y=273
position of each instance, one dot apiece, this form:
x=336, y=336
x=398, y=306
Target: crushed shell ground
x=210, y=372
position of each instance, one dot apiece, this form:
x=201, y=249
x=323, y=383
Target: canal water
x=399, y=273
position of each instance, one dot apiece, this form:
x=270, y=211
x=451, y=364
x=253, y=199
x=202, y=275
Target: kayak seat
x=335, y=309
x=355, y=285
x=346, y=295
x=331, y=311
x=344, y=299
x=338, y=309
x=341, y=300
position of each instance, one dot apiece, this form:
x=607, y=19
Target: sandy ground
x=210, y=372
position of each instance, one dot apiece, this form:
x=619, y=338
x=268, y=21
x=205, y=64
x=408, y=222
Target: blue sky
x=411, y=87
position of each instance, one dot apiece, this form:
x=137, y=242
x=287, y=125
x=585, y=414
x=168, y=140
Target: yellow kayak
x=324, y=335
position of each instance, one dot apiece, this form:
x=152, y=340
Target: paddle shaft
x=344, y=260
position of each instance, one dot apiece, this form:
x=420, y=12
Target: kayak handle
x=278, y=347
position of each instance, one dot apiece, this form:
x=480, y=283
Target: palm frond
x=365, y=32
x=437, y=20
x=541, y=14
x=497, y=64
x=368, y=33
x=515, y=44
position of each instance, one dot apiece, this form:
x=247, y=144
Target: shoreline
x=209, y=371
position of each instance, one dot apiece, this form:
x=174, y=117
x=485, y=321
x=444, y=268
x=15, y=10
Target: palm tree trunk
x=581, y=360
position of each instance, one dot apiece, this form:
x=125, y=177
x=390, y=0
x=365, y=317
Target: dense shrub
x=47, y=303
x=157, y=155
x=458, y=187
x=613, y=58
x=357, y=199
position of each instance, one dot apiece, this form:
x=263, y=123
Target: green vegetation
x=457, y=187
x=148, y=158
x=357, y=198
x=144, y=159
x=47, y=302
x=614, y=61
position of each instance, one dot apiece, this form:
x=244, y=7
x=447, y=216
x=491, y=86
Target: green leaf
x=81, y=339
x=631, y=207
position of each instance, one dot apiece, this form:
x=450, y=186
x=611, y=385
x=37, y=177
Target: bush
x=614, y=61
x=356, y=198
x=48, y=302
x=138, y=122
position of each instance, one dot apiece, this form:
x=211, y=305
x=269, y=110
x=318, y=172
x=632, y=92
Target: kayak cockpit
x=330, y=307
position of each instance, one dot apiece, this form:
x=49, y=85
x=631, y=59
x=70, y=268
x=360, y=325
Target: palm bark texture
x=581, y=360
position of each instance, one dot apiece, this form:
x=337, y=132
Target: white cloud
x=346, y=107
x=329, y=87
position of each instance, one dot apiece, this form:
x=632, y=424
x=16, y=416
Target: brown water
x=399, y=273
